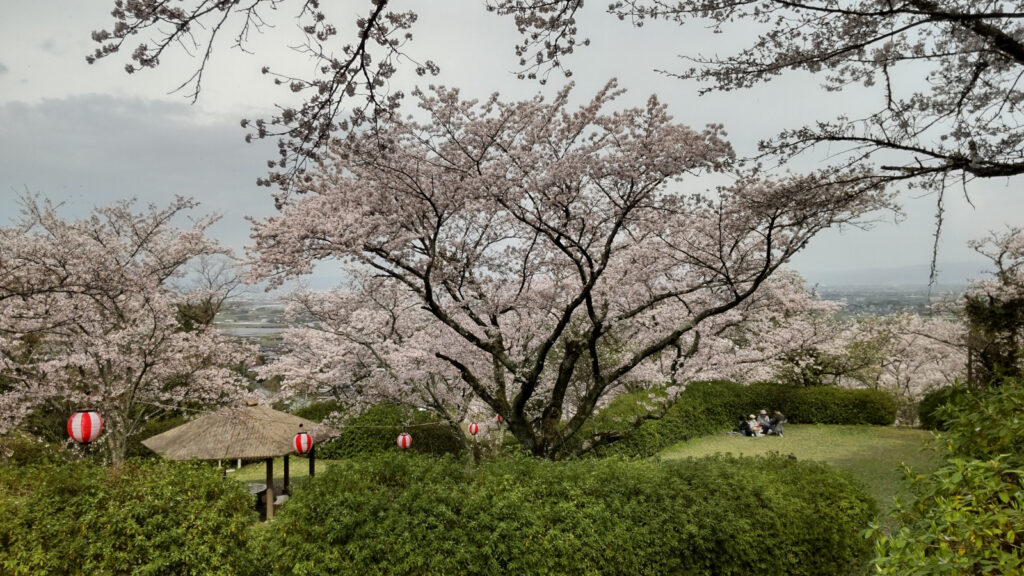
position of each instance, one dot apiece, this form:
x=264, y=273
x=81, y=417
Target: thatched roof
x=236, y=432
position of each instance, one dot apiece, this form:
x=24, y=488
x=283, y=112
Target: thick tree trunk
x=117, y=446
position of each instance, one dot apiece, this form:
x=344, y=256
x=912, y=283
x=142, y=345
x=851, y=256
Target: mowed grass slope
x=871, y=454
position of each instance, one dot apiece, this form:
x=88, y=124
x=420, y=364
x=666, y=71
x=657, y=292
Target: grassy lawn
x=298, y=470
x=871, y=454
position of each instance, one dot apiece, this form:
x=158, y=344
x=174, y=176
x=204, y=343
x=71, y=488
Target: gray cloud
x=3, y=69
x=93, y=150
x=50, y=46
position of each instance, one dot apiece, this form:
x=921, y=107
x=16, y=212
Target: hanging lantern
x=84, y=426
x=474, y=428
x=404, y=440
x=303, y=442
x=500, y=419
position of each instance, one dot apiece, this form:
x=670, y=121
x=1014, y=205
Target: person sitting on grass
x=755, y=428
x=777, y=421
x=764, y=422
x=743, y=427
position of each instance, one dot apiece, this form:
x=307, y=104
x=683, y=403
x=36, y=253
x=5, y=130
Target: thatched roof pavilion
x=249, y=432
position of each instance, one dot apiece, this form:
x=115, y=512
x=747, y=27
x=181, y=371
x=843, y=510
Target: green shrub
x=317, y=411
x=703, y=408
x=136, y=449
x=152, y=517
x=826, y=404
x=400, y=514
x=715, y=406
x=375, y=431
x=966, y=517
x=928, y=409
x=21, y=448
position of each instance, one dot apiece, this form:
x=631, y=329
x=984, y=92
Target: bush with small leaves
x=966, y=517
x=827, y=404
x=714, y=406
x=152, y=517
x=401, y=514
x=318, y=411
x=375, y=430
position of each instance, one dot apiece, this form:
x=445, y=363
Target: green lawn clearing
x=871, y=454
x=298, y=470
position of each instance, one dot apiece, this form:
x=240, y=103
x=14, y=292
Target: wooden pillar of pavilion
x=269, y=494
x=286, y=490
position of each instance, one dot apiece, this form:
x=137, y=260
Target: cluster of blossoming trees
x=534, y=258
x=90, y=317
x=521, y=259
x=526, y=258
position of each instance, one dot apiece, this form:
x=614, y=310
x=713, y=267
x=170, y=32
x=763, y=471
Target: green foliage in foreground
x=711, y=407
x=967, y=516
x=375, y=431
x=144, y=518
x=402, y=514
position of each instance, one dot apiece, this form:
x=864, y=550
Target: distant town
x=260, y=318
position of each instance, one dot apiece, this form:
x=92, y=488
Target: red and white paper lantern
x=303, y=442
x=84, y=426
x=474, y=428
x=404, y=440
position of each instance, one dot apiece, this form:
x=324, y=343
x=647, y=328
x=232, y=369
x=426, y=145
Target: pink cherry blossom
x=544, y=256
x=88, y=317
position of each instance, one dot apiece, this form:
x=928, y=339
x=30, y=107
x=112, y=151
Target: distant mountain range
x=952, y=275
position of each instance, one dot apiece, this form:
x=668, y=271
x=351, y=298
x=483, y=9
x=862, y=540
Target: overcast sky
x=90, y=134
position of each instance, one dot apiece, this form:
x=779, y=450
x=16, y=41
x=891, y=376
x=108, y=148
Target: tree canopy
x=555, y=253
x=948, y=103
x=89, y=317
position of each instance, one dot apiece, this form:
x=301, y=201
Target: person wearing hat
x=764, y=422
x=755, y=428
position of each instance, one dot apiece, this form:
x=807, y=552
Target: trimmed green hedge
x=826, y=404
x=715, y=406
x=703, y=408
x=318, y=411
x=928, y=409
x=375, y=431
x=401, y=514
x=152, y=517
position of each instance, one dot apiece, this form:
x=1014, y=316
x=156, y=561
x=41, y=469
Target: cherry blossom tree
x=946, y=72
x=356, y=72
x=750, y=343
x=787, y=333
x=994, y=309
x=88, y=317
x=959, y=113
x=371, y=343
x=920, y=354
x=551, y=243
